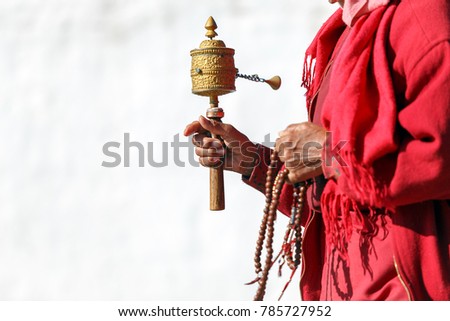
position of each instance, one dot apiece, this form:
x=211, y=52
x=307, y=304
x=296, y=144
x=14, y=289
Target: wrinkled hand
x=300, y=148
x=238, y=156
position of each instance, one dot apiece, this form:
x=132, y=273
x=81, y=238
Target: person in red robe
x=377, y=147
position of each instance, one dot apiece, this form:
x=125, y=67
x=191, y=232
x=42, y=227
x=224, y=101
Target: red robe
x=389, y=97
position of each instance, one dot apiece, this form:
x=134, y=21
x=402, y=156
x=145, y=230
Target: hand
x=239, y=155
x=300, y=148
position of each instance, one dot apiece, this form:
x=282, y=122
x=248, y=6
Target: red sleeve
x=257, y=179
x=421, y=170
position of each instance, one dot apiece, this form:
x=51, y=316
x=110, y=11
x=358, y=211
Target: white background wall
x=75, y=74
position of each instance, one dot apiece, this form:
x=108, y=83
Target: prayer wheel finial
x=211, y=26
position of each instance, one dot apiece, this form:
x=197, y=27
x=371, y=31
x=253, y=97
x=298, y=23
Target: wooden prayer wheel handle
x=216, y=187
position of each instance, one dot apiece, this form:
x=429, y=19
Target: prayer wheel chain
x=292, y=242
x=254, y=77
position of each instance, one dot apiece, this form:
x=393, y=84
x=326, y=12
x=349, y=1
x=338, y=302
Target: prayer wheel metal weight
x=213, y=74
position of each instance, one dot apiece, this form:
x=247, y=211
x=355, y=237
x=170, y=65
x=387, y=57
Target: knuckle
x=216, y=151
x=212, y=161
x=293, y=127
x=303, y=125
x=199, y=151
x=206, y=141
x=209, y=142
x=204, y=161
x=216, y=143
x=199, y=139
x=278, y=143
x=228, y=128
x=195, y=141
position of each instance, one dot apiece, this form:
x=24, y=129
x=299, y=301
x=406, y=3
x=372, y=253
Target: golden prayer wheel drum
x=213, y=72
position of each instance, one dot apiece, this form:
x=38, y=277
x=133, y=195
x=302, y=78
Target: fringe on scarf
x=308, y=77
x=336, y=206
x=361, y=181
x=364, y=208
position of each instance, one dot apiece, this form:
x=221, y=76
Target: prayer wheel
x=213, y=74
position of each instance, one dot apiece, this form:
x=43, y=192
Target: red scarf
x=360, y=108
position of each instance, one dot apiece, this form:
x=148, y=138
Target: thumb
x=215, y=127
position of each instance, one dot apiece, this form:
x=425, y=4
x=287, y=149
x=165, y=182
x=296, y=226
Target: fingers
x=294, y=161
x=299, y=127
x=210, y=161
x=288, y=143
x=226, y=131
x=216, y=127
x=290, y=137
x=194, y=127
x=199, y=139
x=284, y=146
x=285, y=137
x=299, y=147
x=288, y=129
x=209, y=150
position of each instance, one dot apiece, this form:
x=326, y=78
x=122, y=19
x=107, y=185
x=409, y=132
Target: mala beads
x=292, y=242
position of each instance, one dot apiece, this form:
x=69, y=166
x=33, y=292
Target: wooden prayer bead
x=293, y=235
